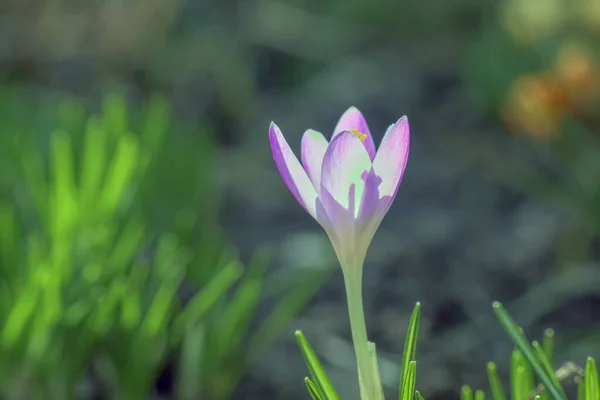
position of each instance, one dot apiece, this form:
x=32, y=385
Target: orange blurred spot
x=535, y=105
x=578, y=72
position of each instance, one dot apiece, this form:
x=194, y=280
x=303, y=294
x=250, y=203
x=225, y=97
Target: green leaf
x=156, y=123
x=495, y=382
x=479, y=395
x=546, y=364
x=592, y=389
x=466, y=393
x=235, y=319
x=206, y=298
x=314, y=391
x=156, y=319
x=34, y=175
x=519, y=339
x=131, y=308
x=189, y=384
x=63, y=205
x=548, y=344
x=93, y=163
x=410, y=345
x=408, y=385
x=519, y=379
x=9, y=239
x=126, y=246
x=20, y=314
x=285, y=310
x=418, y=395
x=317, y=372
x=114, y=114
x=581, y=390
x=119, y=174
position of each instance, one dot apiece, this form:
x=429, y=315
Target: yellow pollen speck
x=360, y=135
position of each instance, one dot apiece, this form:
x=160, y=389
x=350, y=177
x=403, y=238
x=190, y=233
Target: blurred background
x=150, y=250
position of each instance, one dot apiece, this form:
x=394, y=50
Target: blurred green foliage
x=536, y=66
x=535, y=360
x=107, y=220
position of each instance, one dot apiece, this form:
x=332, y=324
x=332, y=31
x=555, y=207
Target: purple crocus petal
x=314, y=145
x=353, y=119
x=391, y=158
x=292, y=172
x=342, y=225
x=372, y=207
x=343, y=164
x=370, y=201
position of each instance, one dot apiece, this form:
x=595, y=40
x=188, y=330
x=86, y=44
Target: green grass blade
x=519, y=339
x=547, y=367
x=234, y=320
x=581, y=390
x=34, y=176
x=418, y=395
x=120, y=172
x=20, y=315
x=479, y=395
x=114, y=114
x=520, y=384
x=189, y=384
x=131, y=308
x=592, y=389
x=466, y=393
x=408, y=385
x=313, y=390
x=548, y=344
x=204, y=300
x=410, y=345
x=156, y=319
x=93, y=162
x=315, y=368
x=9, y=240
x=126, y=246
x=156, y=123
x=286, y=309
x=495, y=382
x=236, y=317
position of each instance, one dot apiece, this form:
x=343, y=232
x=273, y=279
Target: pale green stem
x=366, y=375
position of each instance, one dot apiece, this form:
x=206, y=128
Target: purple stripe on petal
x=291, y=171
x=314, y=145
x=372, y=207
x=391, y=158
x=353, y=119
x=343, y=164
x=369, y=203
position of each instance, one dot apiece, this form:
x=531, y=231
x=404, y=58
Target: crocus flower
x=345, y=184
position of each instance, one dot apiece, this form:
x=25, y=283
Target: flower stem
x=366, y=374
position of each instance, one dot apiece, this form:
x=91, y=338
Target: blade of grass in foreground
x=522, y=343
x=410, y=345
x=315, y=368
x=313, y=390
x=592, y=389
x=466, y=393
x=495, y=382
x=408, y=386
